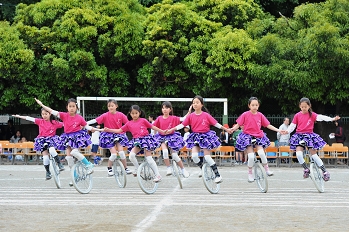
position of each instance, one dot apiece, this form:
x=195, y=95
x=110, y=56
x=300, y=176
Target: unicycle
x=260, y=176
x=176, y=173
x=82, y=181
x=315, y=173
x=145, y=176
x=208, y=177
x=55, y=171
x=316, y=176
x=119, y=173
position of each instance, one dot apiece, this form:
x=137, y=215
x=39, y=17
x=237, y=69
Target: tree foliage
x=57, y=49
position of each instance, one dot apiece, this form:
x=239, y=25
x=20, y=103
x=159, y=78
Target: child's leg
x=320, y=164
x=195, y=156
x=152, y=165
x=122, y=155
x=111, y=159
x=165, y=156
x=300, y=158
x=133, y=159
x=89, y=167
x=46, y=162
x=54, y=154
x=264, y=160
x=213, y=165
x=178, y=160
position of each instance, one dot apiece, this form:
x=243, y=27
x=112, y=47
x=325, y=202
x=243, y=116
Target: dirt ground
x=30, y=203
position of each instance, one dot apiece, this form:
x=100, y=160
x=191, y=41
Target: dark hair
x=201, y=99
x=251, y=99
x=52, y=117
x=168, y=104
x=135, y=107
x=112, y=101
x=73, y=100
x=306, y=100
x=339, y=122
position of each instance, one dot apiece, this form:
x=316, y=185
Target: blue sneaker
x=89, y=168
x=97, y=160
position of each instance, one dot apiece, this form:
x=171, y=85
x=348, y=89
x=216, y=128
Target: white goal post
x=81, y=102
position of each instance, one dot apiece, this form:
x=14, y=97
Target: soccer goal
x=92, y=107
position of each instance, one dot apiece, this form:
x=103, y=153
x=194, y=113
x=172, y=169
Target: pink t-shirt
x=304, y=122
x=199, y=123
x=112, y=121
x=47, y=128
x=167, y=123
x=72, y=123
x=138, y=128
x=253, y=123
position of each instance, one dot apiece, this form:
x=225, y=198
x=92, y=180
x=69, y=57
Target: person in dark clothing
x=339, y=134
x=11, y=131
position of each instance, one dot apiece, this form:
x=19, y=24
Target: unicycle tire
x=145, y=178
x=82, y=181
x=176, y=173
x=119, y=173
x=208, y=177
x=316, y=177
x=261, y=177
x=55, y=171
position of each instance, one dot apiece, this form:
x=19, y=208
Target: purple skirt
x=52, y=141
x=312, y=140
x=244, y=140
x=79, y=139
x=106, y=139
x=147, y=142
x=174, y=141
x=208, y=140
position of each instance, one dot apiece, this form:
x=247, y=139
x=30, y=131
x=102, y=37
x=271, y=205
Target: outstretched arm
x=48, y=109
x=271, y=127
x=24, y=117
x=158, y=129
x=118, y=131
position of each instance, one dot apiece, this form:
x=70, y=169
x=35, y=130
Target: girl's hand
x=169, y=131
x=336, y=118
x=38, y=101
x=105, y=129
x=16, y=115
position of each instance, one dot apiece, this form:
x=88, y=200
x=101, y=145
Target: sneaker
x=250, y=178
x=134, y=173
x=157, y=179
x=326, y=176
x=110, y=172
x=48, y=176
x=218, y=179
x=306, y=173
x=169, y=171
x=128, y=171
x=89, y=168
x=71, y=184
x=96, y=160
x=185, y=173
x=61, y=167
x=269, y=173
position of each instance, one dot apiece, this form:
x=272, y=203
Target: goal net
x=92, y=107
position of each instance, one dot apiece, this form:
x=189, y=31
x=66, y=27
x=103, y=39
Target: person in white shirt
x=151, y=120
x=95, y=145
x=186, y=132
x=284, y=139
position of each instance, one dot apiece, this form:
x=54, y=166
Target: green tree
x=82, y=48
x=16, y=60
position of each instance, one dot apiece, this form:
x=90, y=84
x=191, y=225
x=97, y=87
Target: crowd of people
x=109, y=132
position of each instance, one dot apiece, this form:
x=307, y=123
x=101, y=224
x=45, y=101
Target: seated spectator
x=17, y=137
